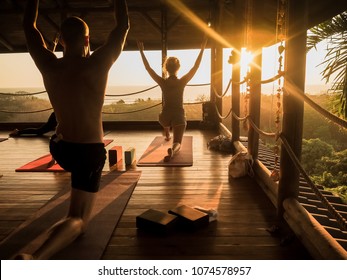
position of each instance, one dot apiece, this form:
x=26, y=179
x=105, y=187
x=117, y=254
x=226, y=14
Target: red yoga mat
x=157, y=150
x=46, y=163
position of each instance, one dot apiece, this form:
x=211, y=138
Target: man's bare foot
x=24, y=257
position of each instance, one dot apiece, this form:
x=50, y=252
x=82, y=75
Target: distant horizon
x=310, y=88
x=192, y=93
x=19, y=70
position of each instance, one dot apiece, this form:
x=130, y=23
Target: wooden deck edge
x=315, y=238
x=262, y=174
x=312, y=234
x=224, y=130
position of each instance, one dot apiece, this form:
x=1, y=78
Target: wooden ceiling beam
x=6, y=44
x=14, y=4
x=156, y=26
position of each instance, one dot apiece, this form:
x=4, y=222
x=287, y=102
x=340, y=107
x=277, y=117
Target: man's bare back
x=76, y=89
x=76, y=82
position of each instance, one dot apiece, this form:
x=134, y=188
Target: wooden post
x=213, y=70
x=163, y=35
x=238, y=34
x=235, y=95
x=255, y=12
x=293, y=107
x=216, y=62
x=218, y=78
x=254, y=103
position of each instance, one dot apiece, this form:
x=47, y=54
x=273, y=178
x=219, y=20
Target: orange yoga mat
x=157, y=150
x=46, y=163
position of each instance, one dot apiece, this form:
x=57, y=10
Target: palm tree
x=335, y=32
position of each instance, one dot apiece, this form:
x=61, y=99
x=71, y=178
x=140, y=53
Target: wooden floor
x=245, y=213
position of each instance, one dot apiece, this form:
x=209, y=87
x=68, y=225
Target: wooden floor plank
x=240, y=232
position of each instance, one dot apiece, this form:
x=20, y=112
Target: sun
x=245, y=61
x=269, y=65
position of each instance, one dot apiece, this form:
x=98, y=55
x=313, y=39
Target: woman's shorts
x=167, y=118
x=85, y=161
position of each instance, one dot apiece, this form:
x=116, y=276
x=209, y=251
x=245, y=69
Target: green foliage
x=325, y=166
x=313, y=151
x=339, y=191
x=335, y=62
x=143, y=110
x=14, y=106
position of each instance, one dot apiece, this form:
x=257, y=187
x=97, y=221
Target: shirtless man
x=173, y=113
x=76, y=86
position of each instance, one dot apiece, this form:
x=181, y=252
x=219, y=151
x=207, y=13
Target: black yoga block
x=155, y=220
x=190, y=216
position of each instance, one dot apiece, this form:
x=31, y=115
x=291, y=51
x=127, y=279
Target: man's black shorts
x=85, y=161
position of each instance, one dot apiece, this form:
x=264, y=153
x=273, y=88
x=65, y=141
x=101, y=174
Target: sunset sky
x=18, y=70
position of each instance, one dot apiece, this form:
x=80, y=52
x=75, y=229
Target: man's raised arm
x=116, y=40
x=122, y=15
x=35, y=42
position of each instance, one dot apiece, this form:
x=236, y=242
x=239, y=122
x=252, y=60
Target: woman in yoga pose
x=173, y=113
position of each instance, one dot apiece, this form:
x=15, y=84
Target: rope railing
x=22, y=93
x=220, y=116
x=198, y=85
x=19, y=93
x=44, y=91
x=113, y=113
x=322, y=111
x=134, y=111
x=108, y=95
x=240, y=82
x=258, y=130
x=339, y=218
x=274, y=78
x=225, y=92
x=25, y=112
x=132, y=93
x=194, y=103
x=267, y=81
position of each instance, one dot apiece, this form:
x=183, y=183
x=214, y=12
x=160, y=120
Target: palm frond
x=326, y=30
x=334, y=31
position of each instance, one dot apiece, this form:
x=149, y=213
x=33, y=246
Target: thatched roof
x=148, y=22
